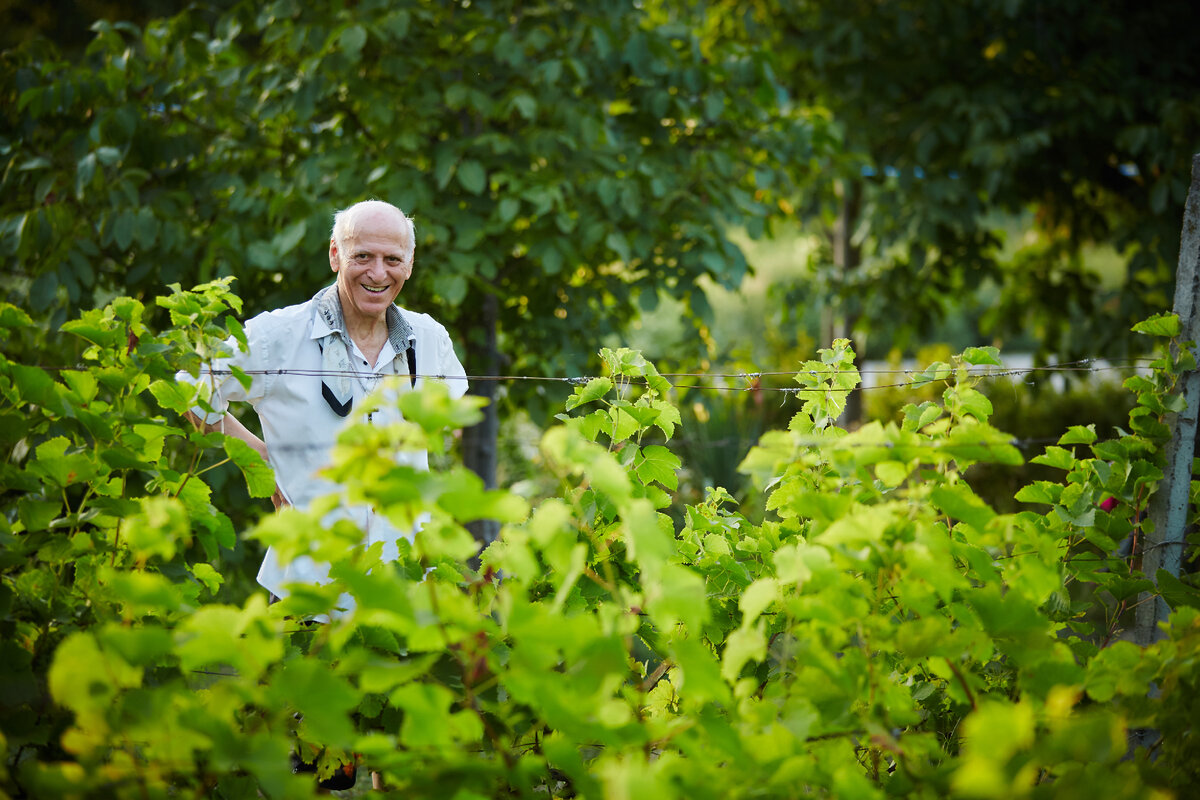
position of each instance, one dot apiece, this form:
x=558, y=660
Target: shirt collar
x=327, y=319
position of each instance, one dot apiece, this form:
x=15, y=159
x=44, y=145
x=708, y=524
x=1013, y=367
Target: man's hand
x=230, y=426
x=278, y=499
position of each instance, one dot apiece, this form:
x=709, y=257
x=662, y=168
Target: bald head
x=350, y=222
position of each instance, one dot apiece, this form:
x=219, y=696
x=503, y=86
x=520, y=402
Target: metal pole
x=1163, y=547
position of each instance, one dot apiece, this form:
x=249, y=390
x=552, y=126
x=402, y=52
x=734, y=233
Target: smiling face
x=372, y=263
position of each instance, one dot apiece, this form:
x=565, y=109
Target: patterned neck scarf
x=337, y=370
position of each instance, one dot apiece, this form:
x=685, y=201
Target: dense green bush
x=1031, y=407
x=882, y=632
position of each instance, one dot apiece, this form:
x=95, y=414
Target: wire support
x=831, y=443
x=752, y=379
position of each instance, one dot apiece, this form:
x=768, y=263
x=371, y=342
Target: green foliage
x=1032, y=404
x=564, y=162
x=1077, y=117
x=882, y=632
x=566, y=158
x=106, y=519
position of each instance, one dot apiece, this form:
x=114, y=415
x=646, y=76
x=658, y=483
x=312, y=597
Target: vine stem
x=199, y=427
x=468, y=688
x=606, y=585
x=112, y=562
x=653, y=677
x=1113, y=624
x=962, y=682
x=191, y=471
x=212, y=466
x=658, y=743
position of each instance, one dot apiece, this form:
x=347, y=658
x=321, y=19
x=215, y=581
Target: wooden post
x=480, y=442
x=1163, y=547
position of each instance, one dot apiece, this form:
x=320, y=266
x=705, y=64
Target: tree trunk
x=480, y=441
x=847, y=256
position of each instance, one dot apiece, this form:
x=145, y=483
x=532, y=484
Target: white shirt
x=300, y=428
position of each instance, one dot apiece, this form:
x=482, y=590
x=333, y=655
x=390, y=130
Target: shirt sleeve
x=221, y=386
x=449, y=366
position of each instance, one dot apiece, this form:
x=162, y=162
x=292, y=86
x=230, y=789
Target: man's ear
x=334, y=256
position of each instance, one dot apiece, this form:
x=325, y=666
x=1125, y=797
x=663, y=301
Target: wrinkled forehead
x=380, y=242
x=379, y=227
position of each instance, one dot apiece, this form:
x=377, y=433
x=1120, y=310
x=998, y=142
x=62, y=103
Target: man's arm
x=231, y=426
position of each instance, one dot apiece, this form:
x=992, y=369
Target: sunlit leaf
x=657, y=463
x=594, y=390
x=742, y=646
x=1165, y=324
x=260, y=478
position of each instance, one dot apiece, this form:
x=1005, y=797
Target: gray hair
x=347, y=221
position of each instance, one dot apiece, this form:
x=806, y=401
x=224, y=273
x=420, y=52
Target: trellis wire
x=752, y=382
x=751, y=379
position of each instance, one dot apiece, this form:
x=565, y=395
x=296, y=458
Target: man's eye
x=393, y=260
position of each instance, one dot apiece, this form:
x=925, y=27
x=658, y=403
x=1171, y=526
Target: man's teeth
x=374, y=289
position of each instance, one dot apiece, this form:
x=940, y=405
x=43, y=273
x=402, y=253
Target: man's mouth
x=374, y=289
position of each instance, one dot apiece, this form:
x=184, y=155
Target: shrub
x=882, y=632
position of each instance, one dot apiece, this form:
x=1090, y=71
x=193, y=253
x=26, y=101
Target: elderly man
x=312, y=364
